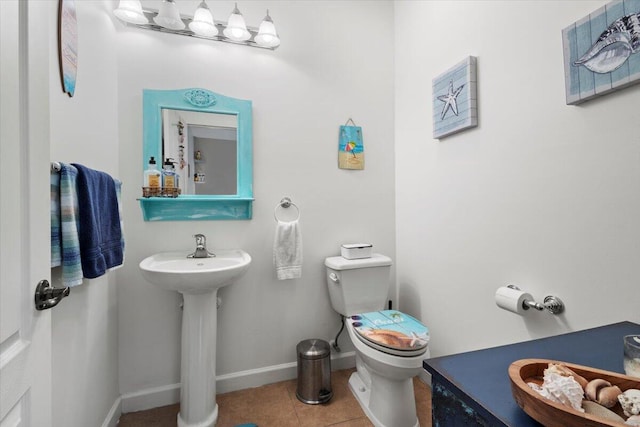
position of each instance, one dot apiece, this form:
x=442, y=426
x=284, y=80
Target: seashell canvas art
x=602, y=51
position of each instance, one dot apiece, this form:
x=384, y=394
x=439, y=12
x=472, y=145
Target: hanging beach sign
x=350, y=147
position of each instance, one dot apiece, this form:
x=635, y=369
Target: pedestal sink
x=198, y=280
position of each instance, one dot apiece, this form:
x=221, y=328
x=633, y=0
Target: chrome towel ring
x=286, y=203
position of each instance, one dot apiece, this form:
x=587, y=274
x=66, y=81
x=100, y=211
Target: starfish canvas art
x=454, y=99
x=450, y=100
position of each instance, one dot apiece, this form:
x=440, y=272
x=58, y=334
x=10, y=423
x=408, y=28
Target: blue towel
x=65, y=246
x=99, y=228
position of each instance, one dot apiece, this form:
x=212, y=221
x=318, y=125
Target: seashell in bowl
x=633, y=420
x=600, y=411
x=601, y=391
x=562, y=389
x=630, y=402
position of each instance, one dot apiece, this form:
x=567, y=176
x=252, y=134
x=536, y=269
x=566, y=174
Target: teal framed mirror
x=209, y=139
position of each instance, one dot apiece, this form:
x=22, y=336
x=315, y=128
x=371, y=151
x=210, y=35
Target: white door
x=25, y=334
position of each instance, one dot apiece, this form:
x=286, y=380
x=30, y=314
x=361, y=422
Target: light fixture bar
x=150, y=14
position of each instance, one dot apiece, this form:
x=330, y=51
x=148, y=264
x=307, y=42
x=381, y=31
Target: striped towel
x=65, y=246
x=56, y=232
x=119, y=196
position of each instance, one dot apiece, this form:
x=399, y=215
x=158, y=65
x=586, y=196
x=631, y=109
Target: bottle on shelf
x=169, y=177
x=152, y=176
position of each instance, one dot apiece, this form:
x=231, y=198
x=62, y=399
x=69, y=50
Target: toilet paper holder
x=551, y=303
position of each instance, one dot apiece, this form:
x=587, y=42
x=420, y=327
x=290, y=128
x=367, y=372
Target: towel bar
x=285, y=203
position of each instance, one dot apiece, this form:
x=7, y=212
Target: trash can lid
x=313, y=349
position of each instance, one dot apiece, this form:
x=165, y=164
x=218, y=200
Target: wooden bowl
x=550, y=413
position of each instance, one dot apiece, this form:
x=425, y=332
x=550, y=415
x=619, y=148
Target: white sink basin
x=173, y=271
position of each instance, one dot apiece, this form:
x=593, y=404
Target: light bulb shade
x=169, y=16
x=236, y=29
x=131, y=11
x=202, y=23
x=267, y=35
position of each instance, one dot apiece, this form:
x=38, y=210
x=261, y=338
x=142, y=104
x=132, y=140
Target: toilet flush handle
x=334, y=278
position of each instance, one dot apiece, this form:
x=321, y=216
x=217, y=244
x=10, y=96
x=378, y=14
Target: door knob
x=47, y=296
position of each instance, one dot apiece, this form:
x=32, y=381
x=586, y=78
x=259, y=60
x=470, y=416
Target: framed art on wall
x=454, y=99
x=601, y=51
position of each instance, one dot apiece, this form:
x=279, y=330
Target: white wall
x=84, y=129
x=540, y=194
x=335, y=62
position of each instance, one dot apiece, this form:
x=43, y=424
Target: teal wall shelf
x=195, y=208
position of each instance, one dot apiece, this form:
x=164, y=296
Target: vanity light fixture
x=169, y=16
x=201, y=25
x=131, y=11
x=236, y=28
x=267, y=35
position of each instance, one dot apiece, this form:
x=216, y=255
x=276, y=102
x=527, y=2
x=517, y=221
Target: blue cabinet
x=473, y=388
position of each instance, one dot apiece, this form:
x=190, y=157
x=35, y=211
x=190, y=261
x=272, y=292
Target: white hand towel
x=287, y=250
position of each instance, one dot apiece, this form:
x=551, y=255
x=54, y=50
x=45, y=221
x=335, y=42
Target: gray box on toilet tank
x=314, y=371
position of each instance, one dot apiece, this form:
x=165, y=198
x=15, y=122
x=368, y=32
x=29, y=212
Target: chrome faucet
x=201, y=248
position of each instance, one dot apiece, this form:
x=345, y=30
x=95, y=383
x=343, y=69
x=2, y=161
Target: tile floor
x=276, y=405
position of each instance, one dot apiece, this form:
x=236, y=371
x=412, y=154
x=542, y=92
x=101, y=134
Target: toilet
x=390, y=345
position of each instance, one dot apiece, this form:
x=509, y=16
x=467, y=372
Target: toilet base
x=397, y=397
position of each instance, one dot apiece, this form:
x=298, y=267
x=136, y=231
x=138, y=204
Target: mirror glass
x=203, y=148
x=208, y=139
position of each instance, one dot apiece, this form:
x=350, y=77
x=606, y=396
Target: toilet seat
x=391, y=332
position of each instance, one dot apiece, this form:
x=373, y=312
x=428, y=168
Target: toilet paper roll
x=512, y=299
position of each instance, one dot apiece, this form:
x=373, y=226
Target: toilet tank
x=358, y=285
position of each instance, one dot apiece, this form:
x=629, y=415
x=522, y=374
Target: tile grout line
x=291, y=401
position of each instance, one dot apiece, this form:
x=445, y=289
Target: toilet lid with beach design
x=391, y=331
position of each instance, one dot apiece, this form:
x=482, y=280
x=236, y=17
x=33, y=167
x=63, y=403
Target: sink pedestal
x=198, y=407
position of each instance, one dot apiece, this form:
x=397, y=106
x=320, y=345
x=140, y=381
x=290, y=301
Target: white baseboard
x=425, y=377
x=170, y=394
x=273, y=374
x=151, y=398
x=112, y=418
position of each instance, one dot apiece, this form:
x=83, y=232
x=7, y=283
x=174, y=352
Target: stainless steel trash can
x=314, y=371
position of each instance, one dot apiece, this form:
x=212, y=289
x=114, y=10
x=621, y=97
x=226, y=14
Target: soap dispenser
x=169, y=179
x=152, y=174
